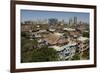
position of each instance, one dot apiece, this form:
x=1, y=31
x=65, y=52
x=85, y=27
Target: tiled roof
x=55, y=39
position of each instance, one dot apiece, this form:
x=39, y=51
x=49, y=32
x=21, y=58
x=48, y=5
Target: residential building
x=84, y=43
x=65, y=52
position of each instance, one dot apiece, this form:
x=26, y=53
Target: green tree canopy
x=86, y=34
x=42, y=54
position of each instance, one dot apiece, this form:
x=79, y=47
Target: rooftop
x=83, y=38
x=58, y=48
x=69, y=29
x=55, y=38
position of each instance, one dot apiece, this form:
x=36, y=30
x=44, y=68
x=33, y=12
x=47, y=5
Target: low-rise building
x=65, y=52
x=68, y=29
x=55, y=39
x=84, y=43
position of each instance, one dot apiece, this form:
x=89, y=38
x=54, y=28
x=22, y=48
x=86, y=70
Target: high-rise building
x=70, y=22
x=75, y=20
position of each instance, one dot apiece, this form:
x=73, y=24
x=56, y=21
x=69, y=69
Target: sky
x=34, y=15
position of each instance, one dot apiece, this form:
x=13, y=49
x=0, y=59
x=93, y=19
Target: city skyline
x=35, y=15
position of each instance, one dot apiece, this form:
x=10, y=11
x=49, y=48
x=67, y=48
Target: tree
x=76, y=57
x=27, y=44
x=42, y=54
x=25, y=35
x=86, y=34
x=86, y=54
x=26, y=56
x=26, y=49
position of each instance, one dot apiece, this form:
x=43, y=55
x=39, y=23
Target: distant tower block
x=75, y=20
x=70, y=22
x=62, y=22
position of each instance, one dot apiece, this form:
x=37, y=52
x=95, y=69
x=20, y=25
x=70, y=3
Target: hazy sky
x=42, y=15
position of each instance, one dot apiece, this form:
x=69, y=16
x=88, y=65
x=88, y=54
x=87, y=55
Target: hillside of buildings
x=54, y=40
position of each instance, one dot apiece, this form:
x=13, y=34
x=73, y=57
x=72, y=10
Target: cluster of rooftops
x=61, y=40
